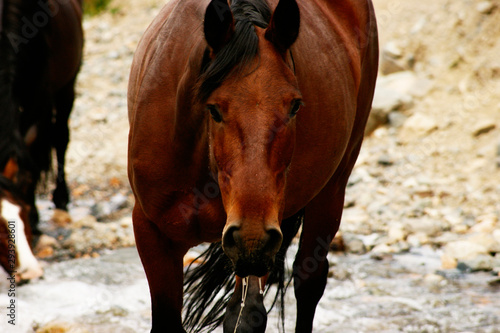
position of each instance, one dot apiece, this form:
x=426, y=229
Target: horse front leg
x=63, y=103
x=310, y=271
x=163, y=263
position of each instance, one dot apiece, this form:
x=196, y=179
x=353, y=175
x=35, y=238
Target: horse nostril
x=230, y=241
x=274, y=239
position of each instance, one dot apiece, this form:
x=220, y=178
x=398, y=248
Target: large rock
x=387, y=99
x=485, y=223
x=482, y=262
x=406, y=83
x=418, y=239
x=425, y=226
x=496, y=235
x=397, y=232
x=395, y=92
x=416, y=126
x=486, y=240
x=354, y=244
x=464, y=250
x=392, y=59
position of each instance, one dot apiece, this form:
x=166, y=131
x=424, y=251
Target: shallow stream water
x=400, y=293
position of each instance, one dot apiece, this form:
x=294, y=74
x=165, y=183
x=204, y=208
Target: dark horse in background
x=245, y=123
x=41, y=45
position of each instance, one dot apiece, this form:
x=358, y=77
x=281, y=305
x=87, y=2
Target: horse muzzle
x=251, y=252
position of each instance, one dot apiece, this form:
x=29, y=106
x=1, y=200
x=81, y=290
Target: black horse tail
x=209, y=286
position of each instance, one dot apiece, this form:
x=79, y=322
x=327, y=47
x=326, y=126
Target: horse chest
x=197, y=215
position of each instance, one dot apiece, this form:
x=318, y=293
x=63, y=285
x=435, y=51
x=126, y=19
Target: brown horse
x=245, y=122
x=40, y=55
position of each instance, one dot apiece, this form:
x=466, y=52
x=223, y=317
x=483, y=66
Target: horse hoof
x=30, y=273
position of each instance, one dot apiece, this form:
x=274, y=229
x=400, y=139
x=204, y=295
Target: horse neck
x=191, y=116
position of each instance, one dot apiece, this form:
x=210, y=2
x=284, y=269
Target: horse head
x=252, y=97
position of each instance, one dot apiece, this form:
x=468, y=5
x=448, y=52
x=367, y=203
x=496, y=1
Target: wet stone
x=448, y=262
x=385, y=160
x=353, y=244
x=396, y=118
x=434, y=279
x=451, y=274
x=397, y=232
x=464, y=250
x=481, y=262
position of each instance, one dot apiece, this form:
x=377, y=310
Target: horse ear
x=218, y=25
x=283, y=29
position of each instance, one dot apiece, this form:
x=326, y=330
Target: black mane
x=240, y=50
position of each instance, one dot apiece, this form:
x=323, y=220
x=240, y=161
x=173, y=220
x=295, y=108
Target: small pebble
x=485, y=7
x=385, y=160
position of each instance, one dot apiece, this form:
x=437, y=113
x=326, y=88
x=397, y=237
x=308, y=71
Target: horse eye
x=215, y=113
x=296, y=104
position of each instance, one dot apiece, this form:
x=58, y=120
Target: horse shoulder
x=167, y=154
x=330, y=79
x=161, y=56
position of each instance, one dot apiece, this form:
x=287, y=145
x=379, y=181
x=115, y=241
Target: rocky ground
x=421, y=226
x=434, y=166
